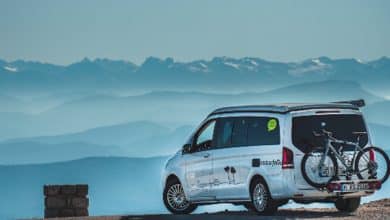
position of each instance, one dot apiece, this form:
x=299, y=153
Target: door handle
x=206, y=155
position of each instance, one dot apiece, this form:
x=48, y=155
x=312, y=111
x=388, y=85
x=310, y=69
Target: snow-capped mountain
x=217, y=74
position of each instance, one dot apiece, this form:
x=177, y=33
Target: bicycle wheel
x=372, y=163
x=314, y=174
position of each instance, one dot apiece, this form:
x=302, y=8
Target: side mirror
x=187, y=148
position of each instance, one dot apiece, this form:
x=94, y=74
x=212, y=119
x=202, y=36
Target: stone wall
x=66, y=200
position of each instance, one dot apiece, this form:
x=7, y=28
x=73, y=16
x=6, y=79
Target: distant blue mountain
x=220, y=74
x=176, y=108
x=28, y=152
x=119, y=134
x=134, y=139
x=138, y=139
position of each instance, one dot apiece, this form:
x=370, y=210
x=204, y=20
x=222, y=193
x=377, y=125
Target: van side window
x=247, y=131
x=240, y=131
x=263, y=131
x=205, y=137
x=224, y=132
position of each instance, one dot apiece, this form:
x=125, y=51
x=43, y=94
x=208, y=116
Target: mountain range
x=133, y=139
x=63, y=124
x=219, y=74
x=170, y=108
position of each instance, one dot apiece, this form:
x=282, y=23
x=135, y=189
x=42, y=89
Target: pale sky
x=66, y=31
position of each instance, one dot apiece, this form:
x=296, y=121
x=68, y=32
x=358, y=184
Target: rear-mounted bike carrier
x=345, y=186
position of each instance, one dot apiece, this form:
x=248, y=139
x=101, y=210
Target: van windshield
x=342, y=127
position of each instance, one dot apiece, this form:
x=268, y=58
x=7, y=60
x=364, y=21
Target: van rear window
x=342, y=127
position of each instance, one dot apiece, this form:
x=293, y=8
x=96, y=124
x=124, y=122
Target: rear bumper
x=316, y=195
x=335, y=190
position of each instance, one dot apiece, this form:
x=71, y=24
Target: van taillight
x=372, y=155
x=287, y=159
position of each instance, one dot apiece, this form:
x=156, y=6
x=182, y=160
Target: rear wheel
x=347, y=205
x=249, y=206
x=175, y=199
x=372, y=163
x=262, y=202
x=314, y=174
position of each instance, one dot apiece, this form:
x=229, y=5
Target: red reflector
x=378, y=185
x=333, y=187
x=375, y=185
x=372, y=155
x=287, y=159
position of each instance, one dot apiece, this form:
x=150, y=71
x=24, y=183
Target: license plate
x=352, y=187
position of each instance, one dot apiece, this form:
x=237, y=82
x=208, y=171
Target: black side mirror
x=187, y=148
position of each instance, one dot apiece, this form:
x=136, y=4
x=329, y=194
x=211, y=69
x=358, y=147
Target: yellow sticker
x=272, y=124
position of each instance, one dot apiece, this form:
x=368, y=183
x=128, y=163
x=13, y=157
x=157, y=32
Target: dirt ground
x=374, y=210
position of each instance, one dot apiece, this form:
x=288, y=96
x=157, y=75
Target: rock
x=68, y=189
x=81, y=212
x=80, y=202
x=66, y=200
x=55, y=202
x=82, y=190
x=51, y=190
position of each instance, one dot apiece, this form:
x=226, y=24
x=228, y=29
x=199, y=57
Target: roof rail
x=358, y=102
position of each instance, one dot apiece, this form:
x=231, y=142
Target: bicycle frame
x=329, y=146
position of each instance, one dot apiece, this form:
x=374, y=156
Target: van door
x=199, y=163
x=240, y=140
x=230, y=170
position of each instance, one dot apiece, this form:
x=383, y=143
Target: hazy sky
x=66, y=31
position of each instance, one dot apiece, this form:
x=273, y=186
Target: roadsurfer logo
x=270, y=163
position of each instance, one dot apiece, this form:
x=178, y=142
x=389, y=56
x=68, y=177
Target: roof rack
x=358, y=102
x=284, y=108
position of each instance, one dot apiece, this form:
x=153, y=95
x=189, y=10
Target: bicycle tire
x=307, y=178
x=378, y=150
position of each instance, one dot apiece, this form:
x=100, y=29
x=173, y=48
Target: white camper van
x=262, y=156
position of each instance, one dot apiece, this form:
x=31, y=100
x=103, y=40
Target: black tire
x=378, y=150
x=347, y=205
x=249, y=207
x=169, y=203
x=267, y=206
x=282, y=202
x=322, y=183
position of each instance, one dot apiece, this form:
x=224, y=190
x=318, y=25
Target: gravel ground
x=374, y=210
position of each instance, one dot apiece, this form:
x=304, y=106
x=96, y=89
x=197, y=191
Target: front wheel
x=175, y=199
x=314, y=173
x=372, y=163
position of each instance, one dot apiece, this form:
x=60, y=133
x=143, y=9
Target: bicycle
x=319, y=167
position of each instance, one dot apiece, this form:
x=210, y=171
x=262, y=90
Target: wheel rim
x=176, y=198
x=260, y=197
x=317, y=174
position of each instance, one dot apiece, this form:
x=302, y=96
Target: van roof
x=283, y=108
